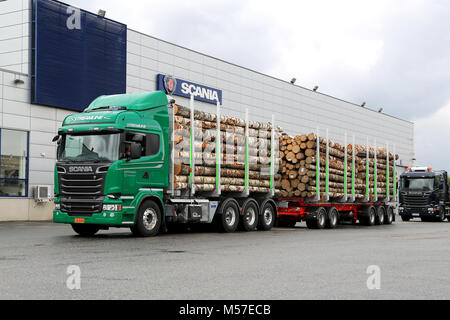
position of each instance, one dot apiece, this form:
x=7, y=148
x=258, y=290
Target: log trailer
x=116, y=168
x=326, y=212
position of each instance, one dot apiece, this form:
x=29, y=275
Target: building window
x=13, y=163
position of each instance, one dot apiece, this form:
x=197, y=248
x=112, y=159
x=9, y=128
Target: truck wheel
x=148, y=220
x=332, y=218
x=229, y=219
x=389, y=215
x=267, y=217
x=317, y=222
x=368, y=216
x=381, y=212
x=250, y=214
x=85, y=230
x=406, y=218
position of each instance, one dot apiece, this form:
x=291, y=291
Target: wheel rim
x=389, y=216
x=149, y=218
x=250, y=216
x=267, y=216
x=321, y=219
x=230, y=216
x=381, y=217
x=372, y=216
x=333, y=219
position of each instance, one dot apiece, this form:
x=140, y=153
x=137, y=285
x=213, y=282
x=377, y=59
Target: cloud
x=432, y=142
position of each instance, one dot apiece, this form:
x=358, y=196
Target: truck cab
x=110, y=158
x=424, y=194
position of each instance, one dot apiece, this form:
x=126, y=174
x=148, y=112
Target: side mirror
x=136, y=150
x=56, y=138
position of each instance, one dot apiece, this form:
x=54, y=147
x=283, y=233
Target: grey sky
x=391, y=54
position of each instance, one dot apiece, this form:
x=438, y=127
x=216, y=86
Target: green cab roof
x=132, y=101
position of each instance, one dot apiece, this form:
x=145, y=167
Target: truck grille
x=415, y=201
x=81, y=192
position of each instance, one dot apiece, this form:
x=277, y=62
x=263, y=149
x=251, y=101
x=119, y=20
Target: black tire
x=318, y=221
x=250, y=215
x=85, y=230
x=228, y=219
x=368, y=216
x=332, y=218
x=441, y=216
x=405, y=218
x=389, y=215
x=148, y=220
x=287, y=223
x=381, y=213
x=268, y=215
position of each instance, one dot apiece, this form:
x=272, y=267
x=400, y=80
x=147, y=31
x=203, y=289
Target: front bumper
x=106, y=218
x=419, y=212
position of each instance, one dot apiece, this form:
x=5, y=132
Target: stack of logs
x=232, y=167
x=298, y=168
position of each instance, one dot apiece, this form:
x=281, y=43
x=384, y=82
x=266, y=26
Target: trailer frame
x=296, y=209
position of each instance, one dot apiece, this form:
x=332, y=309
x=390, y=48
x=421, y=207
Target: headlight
x=430, y=209
x=400, y=209
x=112, y=207
x=57, y=206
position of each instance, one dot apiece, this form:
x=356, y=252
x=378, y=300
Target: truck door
x=151, y=166
x=147, y=171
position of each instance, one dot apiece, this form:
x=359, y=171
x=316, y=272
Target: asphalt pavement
x=405, y=260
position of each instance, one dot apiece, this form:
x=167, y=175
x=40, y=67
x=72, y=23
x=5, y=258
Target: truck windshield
x=417, y=184
x=94, y=148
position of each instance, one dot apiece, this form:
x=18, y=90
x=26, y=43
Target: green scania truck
x=115, y=169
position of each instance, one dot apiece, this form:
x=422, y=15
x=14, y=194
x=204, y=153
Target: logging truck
x=143, y=162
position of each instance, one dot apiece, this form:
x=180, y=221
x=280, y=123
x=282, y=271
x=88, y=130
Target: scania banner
x=185, y=88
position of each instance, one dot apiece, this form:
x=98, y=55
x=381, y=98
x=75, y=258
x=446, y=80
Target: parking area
x=410, y=259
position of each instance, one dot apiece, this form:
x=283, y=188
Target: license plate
x=415, y=214
x=79, y=220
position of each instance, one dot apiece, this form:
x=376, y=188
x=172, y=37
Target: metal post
x=366, y=199
x=317, y=166
x=375, y=190
x=394, y=176
x=172, y=153
x=272, y=157
x=192, y=148
x=327, y=168
x=218, y=151
x=345, y=167
x=246, y=191
x=388, y=197
x=353, y=169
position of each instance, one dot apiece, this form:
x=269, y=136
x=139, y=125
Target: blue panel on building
x=185, y=88
x=77, y=56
